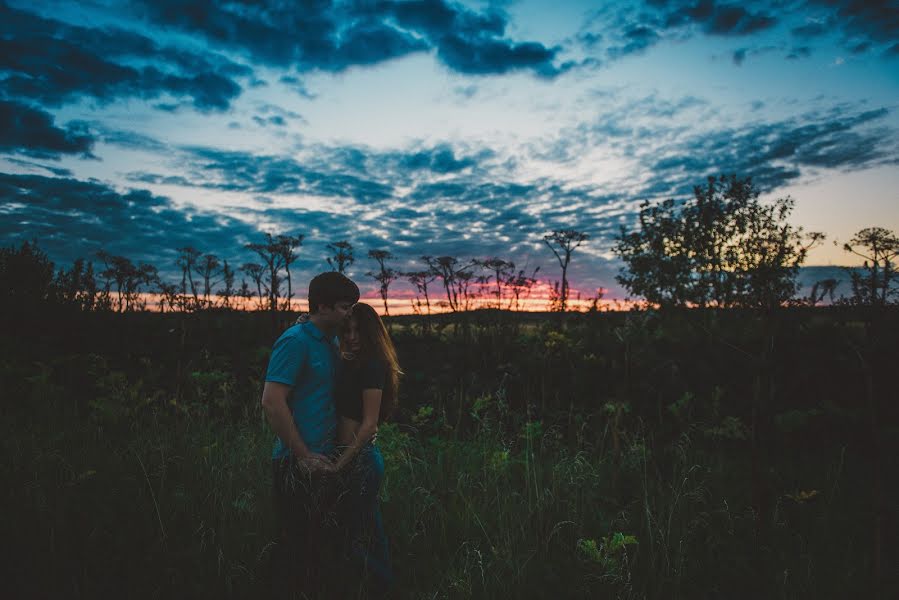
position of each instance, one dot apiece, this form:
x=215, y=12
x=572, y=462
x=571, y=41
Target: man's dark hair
x=329, y=288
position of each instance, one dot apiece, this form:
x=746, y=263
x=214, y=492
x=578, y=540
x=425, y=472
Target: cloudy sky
x=434, y=127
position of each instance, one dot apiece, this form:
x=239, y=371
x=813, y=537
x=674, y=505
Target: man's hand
x=314, y=462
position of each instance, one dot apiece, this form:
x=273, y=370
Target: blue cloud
x=333, y=37
x=32, y=131
x=54, y=63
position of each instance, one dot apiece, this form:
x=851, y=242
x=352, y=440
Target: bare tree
x=421, y=280
x=255, y=272
x=385, y=275
x=446, y=268
x=520, y=285
x=245, y=292
x=566, y=240
x=341, y=256
x=228, y=279
x=272, y=256
x=286, y=247
x=129, y=279
x=502, y=270
x=879, y=247
x=187, y=260
x=207, y=267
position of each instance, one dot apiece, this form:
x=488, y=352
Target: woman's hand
x=314, y=463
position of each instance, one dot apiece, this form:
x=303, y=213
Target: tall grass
x=495, y=487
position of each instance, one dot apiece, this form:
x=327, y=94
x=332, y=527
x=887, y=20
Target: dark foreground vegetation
x=682, y=454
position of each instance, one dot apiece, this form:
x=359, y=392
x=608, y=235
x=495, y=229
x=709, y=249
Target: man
x=299, y=405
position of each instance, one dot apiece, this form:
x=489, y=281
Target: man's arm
x=274, y=403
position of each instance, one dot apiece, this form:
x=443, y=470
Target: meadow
x=686, y=454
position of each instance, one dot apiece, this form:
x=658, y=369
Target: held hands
x=315, y=463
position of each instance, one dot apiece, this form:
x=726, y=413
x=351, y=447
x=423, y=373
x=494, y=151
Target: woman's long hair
x=375, y=344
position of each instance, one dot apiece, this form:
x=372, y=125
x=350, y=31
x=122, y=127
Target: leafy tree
x=722, y=248
x=77, y=286
x=341, y=256
x=384, y=275
x=26, y=276
x=875, y=285
x=563, y=242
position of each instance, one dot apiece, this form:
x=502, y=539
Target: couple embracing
x=331, y=379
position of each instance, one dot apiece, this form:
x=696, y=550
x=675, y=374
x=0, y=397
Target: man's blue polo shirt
x=305, y=359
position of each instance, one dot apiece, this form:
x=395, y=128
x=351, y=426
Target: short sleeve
x=287, y=357
x=374, y=375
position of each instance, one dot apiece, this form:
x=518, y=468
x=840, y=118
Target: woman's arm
x=371, y=409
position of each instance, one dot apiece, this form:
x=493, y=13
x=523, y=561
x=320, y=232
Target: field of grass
x=608, y=455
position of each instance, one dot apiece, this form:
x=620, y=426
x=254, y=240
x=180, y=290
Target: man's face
x=336, y=315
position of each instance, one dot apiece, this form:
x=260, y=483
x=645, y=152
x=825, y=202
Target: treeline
x=723, y=248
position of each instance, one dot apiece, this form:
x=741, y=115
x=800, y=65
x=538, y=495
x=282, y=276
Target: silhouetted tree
x=187, y=261
x=464, y=279
x=255, y=272
x=26, y=277
x=452, y=275
x=875, y=286
x=245, y=292
x=566, y=240
x=208, y=268
x=228, y=279
x=77, y=286
x=384, y=275
x=502, y=270
x=521, y=284
x=169, y=296
x=287, y=245
x=722, y=248
x=341, y=256
x=272, y=256
x=421, y=280
x=128, y=278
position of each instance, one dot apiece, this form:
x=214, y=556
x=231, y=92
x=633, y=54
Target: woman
x=365, y=395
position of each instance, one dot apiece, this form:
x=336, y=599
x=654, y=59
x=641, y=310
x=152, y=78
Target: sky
x=431, y=127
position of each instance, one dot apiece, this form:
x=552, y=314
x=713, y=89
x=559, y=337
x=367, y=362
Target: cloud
x=334, y=37
x=623, y=29
x=53, y=63
x=863, y=25
x=637, y=39
x=31, y=166
x=70, y=218
x=775, y=153
x=31, y=131
x=873, y=20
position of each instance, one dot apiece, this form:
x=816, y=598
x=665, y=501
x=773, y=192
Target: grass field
x=623, y=455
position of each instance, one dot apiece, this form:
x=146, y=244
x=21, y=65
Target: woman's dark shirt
x=355, y=376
